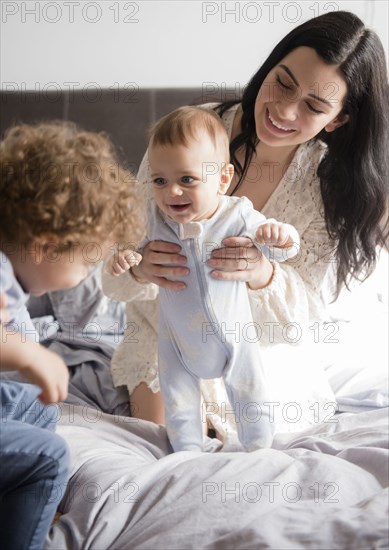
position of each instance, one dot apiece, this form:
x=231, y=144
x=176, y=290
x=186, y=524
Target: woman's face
x=299, y=97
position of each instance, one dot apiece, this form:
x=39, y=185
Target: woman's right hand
x=162, y=260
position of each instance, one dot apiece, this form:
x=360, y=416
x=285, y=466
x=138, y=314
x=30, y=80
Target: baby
x=191, y=173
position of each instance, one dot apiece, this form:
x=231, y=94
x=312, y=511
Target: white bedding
x=323, y=488
x=357, y=364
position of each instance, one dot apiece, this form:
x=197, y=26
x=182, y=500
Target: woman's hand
x=240, y=260
x=159, y=263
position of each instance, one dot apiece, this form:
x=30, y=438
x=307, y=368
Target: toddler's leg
x=34, y=470
x=18, y=401
x=182, y=401
x=246, y=390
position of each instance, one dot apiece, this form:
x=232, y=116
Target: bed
x=323, y=487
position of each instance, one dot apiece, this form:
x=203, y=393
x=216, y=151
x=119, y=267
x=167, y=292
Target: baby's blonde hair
x=56, y=179
x=184, y=124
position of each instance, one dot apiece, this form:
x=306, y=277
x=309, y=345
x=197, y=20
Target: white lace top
x=293, y=300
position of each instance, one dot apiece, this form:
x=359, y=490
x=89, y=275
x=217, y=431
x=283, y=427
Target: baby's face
x=187, y=181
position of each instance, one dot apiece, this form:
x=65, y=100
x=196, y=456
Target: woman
x=309, y=145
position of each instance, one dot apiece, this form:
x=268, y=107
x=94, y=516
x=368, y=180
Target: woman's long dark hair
x=354, y=172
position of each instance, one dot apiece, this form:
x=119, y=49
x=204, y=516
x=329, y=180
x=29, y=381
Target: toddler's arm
x=35, y=363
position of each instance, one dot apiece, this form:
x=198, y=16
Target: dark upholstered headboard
x=125, y=114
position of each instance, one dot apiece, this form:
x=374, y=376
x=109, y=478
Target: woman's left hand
x=240, y=260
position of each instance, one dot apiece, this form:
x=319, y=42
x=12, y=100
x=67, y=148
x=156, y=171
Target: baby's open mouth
x=179, y=207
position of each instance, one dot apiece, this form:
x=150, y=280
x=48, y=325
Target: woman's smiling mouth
x=277, y=126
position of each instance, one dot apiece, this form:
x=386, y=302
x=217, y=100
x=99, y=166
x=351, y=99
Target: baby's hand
x=275, y=234
x=122, y=261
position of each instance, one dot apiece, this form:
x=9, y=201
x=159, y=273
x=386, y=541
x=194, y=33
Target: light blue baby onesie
x=202, y=328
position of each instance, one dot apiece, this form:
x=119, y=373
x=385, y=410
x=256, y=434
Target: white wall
x=65, y=44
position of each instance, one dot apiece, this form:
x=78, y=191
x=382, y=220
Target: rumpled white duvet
x=326, y=487
x=322, y=488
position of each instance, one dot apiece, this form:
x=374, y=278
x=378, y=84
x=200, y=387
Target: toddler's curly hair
x=59, y=180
